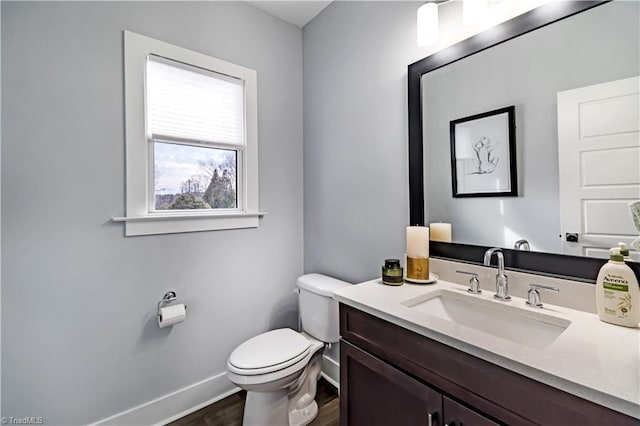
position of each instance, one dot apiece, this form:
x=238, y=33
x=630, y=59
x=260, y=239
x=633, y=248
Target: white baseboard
x=182, y=402
x=175, y=405
x=331, y=371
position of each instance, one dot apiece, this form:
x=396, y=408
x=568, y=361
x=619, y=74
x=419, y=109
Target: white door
x=599, y=157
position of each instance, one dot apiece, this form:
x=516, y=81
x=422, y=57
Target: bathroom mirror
x=513, y=65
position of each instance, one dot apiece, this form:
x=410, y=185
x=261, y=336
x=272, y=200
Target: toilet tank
x=318, y=310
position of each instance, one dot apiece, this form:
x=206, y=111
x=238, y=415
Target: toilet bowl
x=272, y=366
x=280, y=369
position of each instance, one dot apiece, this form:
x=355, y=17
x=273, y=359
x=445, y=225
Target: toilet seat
x=269, y=352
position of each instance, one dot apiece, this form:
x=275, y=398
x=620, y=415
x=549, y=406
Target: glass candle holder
x=392, y=272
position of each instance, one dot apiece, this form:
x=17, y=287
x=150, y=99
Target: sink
x=523, y=326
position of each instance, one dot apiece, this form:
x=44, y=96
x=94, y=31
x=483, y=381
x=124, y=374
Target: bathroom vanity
x=403, y=361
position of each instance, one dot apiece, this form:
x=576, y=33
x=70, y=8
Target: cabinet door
x=373, y=392
x=458, y=415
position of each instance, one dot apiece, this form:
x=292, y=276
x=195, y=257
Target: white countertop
x=591, y=359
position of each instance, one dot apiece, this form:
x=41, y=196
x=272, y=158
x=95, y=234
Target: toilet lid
x=270, y=351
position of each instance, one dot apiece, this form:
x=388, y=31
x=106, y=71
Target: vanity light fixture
x=473, y=12
x=428, y=23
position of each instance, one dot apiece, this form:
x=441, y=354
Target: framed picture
x=483, y=154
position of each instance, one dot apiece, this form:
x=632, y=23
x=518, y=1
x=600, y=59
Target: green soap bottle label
x=615, y=286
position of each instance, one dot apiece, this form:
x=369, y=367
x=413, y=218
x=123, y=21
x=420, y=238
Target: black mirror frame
x=572, y=267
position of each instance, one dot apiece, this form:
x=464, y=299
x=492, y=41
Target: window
x=195, y=129
x=191, y=140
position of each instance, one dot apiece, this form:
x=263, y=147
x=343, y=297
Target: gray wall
x=79, y=339
x=356, y=199
x=527, y=72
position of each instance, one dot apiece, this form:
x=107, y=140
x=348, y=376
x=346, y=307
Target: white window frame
x=140, y=218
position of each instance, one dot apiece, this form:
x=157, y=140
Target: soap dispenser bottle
x=617, y=292
x=624, y=251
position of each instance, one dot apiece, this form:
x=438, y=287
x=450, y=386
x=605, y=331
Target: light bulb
x=474, y=11
x=427, y=24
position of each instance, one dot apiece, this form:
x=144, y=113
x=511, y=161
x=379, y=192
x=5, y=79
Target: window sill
x=163, y=223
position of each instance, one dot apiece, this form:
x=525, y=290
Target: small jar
x=392, y=273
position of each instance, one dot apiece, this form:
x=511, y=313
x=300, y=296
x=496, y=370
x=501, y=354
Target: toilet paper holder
x=168, y=297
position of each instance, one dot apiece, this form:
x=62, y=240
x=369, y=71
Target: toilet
x=280, y=369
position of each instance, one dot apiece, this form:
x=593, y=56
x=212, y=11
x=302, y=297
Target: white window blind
x=190, y=103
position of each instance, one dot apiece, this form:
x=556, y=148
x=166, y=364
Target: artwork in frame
x=483, y=154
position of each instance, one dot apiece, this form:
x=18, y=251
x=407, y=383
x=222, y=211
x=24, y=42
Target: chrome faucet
x=502, y=286
x=522, y=245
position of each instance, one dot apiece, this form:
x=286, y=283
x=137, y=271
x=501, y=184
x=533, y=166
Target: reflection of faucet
x=502, y=287
x=522, y=245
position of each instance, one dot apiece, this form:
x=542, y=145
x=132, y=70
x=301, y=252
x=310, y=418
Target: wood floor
x=228, y=412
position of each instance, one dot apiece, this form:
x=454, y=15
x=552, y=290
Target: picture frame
x=483, y=154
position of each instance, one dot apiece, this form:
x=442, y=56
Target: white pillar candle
x=441, y=232
x=418, y=242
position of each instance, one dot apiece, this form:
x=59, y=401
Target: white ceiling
x=295, y=12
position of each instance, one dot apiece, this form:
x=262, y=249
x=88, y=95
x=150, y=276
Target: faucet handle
x=533, y=296
x=474, y=283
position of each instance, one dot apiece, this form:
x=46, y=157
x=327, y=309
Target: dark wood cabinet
x=456, y=414
x=392, y=376
x=381, y=395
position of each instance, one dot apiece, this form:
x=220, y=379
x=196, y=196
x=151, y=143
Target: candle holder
x=417, y=256
x=417, y=268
